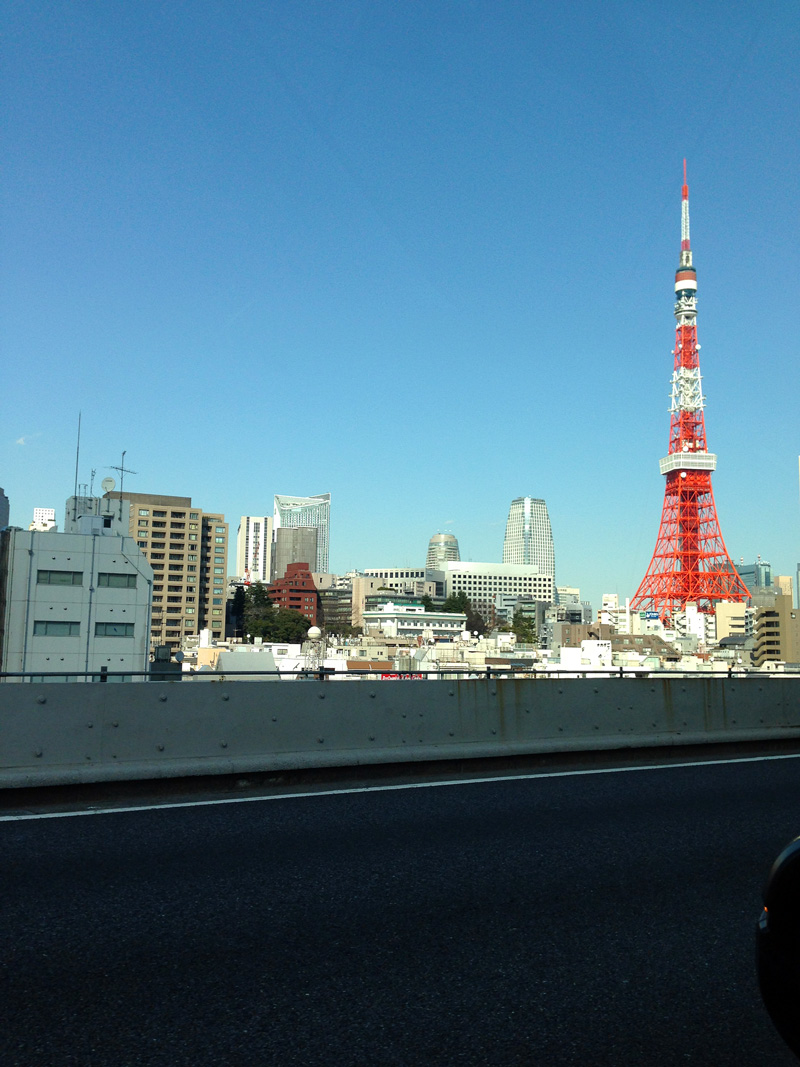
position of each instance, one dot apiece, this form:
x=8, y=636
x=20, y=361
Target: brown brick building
x=296, y=591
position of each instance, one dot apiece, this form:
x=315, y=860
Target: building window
x=219, y=529
x=191, y=567
x=219, y=570
x=176, y=566
x=176, y=555
x=192, y=537
x=216, y=611
x=194, y=515
x=192, y=525
x=189, y=611
x=160, y=514
x=216, y=600
x=142, y=544
x=219, y=540
x=51, y=628
x=156, y=555
x=143, y=511
x=160, y=526
x=59, y=577
x=143, y=522
x=192, y=557
x=116, y=581
x=113, y=629
x=219, y=559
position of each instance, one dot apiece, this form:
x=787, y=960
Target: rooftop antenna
x=91, y=483
x=123, y=470
x=77, y=457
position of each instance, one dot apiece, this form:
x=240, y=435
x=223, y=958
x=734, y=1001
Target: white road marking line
x=387, y=788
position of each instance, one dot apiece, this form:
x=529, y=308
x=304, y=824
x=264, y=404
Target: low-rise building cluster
x=139, y=579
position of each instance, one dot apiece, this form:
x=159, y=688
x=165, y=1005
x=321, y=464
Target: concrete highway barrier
x=52, y=734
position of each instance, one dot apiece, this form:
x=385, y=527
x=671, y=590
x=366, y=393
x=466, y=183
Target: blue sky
x=420, y=256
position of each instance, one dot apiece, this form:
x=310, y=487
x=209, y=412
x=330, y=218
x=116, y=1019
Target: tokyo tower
x=690, y=562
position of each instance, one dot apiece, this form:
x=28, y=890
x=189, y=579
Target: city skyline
x=325, y=203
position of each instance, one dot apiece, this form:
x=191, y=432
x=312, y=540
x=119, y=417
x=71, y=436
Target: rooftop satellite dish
x=107, y=485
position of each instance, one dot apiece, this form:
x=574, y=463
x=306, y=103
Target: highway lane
x=587, y=919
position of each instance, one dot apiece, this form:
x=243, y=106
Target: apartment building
x=254, y=548
x=188, y=550
x=777, y=633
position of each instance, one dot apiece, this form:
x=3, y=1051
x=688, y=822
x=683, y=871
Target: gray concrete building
x=293, y=544
x=72, y=602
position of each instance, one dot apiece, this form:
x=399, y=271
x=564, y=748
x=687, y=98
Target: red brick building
x=296, y=591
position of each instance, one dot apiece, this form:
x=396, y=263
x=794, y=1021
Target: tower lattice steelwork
x=690, y=563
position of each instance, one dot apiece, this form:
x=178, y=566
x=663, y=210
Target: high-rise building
x=254, y=548
x=294, y=544
x=187, y=549
x=442, y=548
x=529, y=537
x=307, y=511
x=756, y=575
x=4, y=509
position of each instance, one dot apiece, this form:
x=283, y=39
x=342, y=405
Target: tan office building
x=777, y=633
x=188, y=551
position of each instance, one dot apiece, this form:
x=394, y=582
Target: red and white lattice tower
x=690, y=563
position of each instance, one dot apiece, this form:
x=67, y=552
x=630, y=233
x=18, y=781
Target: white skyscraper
x=307, y=511
x=529, y=538
x=254, y=548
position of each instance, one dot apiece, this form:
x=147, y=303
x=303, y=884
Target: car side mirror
x=778, y=945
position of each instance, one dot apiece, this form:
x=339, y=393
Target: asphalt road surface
x=586, y=919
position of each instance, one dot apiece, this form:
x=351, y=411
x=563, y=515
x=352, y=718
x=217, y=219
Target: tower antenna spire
x=685, y=244
x=690, y=562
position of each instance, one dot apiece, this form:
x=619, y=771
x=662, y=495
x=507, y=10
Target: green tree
x=524, y=629
x=257, y=607
x=263, y=619
x=427, y=603
x=460, y=602
x=237, y=609
x=476, y=624
x=457, y=602
x=282, y=625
